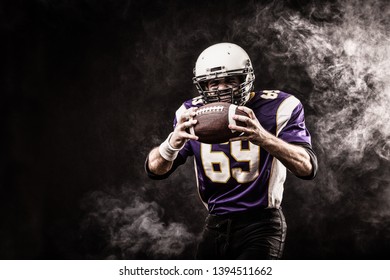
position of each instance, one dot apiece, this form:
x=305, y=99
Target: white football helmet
x=219, y=61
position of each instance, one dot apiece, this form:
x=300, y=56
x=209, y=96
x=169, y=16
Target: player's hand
x=181, y=132
x=254, y=132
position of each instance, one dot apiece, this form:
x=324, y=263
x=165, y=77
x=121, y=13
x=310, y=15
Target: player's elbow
x=307, y=169
x=155, y=173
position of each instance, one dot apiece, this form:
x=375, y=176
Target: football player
x=240, y=181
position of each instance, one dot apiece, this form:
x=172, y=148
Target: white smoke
x=349, y=64
x=135, y=227
x=344, y=49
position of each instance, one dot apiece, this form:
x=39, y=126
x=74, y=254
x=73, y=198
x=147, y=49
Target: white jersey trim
x=284, y=112
x=179, y=112
x=278, y=170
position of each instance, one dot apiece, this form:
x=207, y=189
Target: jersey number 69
x=217, y=165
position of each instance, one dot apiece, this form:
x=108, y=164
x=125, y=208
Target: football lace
x=211, y=109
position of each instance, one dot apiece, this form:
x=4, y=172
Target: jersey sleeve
x=292, y=129
x=291, y=125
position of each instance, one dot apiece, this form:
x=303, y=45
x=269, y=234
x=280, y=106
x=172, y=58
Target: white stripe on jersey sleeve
x=284, y=112
x=180, y=111
x=278, y=170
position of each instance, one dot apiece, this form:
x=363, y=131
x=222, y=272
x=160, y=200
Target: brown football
x=213, y=119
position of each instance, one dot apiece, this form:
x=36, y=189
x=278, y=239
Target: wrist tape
x=167, y=151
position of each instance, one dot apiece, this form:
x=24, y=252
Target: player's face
x=223, y=89
x=224, y=83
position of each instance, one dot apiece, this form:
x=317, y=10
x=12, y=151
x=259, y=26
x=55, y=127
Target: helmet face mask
x=222, y=61
x=236, y=95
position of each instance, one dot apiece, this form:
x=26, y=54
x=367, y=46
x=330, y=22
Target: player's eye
x=213, y=84
x=232, y=81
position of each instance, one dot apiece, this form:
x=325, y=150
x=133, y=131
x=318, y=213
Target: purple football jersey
x=239, y=176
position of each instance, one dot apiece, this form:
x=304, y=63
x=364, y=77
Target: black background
x=89, y=87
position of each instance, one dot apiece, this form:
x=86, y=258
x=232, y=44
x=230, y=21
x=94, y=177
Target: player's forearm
x=294, y=157
x=157, y=164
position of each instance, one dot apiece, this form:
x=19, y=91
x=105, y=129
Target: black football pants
x=246, y=236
